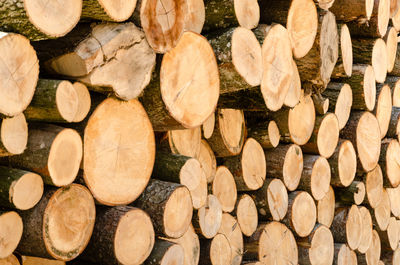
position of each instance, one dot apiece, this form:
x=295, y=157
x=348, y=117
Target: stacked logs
x=199, y=132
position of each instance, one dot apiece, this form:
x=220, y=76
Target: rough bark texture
x=168, y=167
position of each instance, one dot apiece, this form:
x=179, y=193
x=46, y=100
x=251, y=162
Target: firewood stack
x=280, y=145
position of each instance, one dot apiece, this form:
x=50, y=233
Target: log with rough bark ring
x=224, y=188
x=184, y=142
x=271, y=199
x=63, y=222
x=317, y=248
x=53, y=152
x=20, y=72
x=340, y=97
x=353, y=194
x=222, y=14
x=209, y=217
x=108, y=10
x=374, y=186
x=394, y=125
x=109, y=155
x=345, y=10
x=286, y=163
x=366, y=232
x=321, y=104
x=390, y=237
x=207, y=160
x=344, y=255
x=20, y=189
x=238, y=54
x=40, y=20
x=11, y=232
x=249, y=168
x=195, y=16
x=216, y=251
x=13, y=135
x=267, y=135
x=383, y=108
x=343, y=164
x=326, y=208
x=277, y=67
x=230, y=228
x=391, y=47
x=59, y=101
x=390, y=162
x=350, y=218
x=165, y=253
x=121, y=235
x=382, y=212
x=394, y=7
x=325, y=136
x=300, y=18
x=246, y=213
x=344, y=65
x=316, y=176
x=363, y=131
x=229, y=133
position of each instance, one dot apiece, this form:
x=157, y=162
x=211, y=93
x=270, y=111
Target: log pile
x=189, y=132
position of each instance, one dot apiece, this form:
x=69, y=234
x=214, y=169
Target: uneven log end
x=14, y=134
x=10, y=233
x=210, y=217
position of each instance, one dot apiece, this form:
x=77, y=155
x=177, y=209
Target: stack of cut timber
x=189, y=132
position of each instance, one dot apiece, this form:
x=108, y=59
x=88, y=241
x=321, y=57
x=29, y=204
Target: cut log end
x=346, y=256
x=343, y=105
x=328, y=135
x=304, y=214
x=253, y=164
x=366, y=230
x=185, y=142
x=210, y=217
x=320, y=178
x=354, y=227
x=109, y=175
x=322, y=242
x=220, y=250
x=231, y=126
x=246, y=213
x=329, y=46
x=66, y=238
x=194, y=178
x=391, y=48
x=14, y=134
x=191, y=95
x=119, y=10
x=346, y=49
x=326, y=208
x=277, y=198
x=68, y=102
x=231, y=229
x=382, y=211
x=302, y=25
x=374, y=186
x=359, y=196
x=207, y=160
x=391, y=163
x=392, y=233
x=11, y=232
x=383, y=16
x=273, y=133
x=21, y=68
x=292, y=167
x=347, y=163
x=65, y=157
x=134, y=237
x=383, y=110
x=373, y=253
x=208, y=126
x=369, y=88
x=26, y=191
x=10, y=260
x=379, y=60
x=294, y=92
x=196, y=16
x=247, y=13
x=224, y=188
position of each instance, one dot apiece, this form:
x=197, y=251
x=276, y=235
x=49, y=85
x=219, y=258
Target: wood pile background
x=185, y=132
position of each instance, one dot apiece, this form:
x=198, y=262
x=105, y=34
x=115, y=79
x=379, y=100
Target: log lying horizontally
x=231, y=229
x=350, y=219
x=224, y=188
x=344, y=63
x=216, y=251
x=246, y=213
x=105, y=10
x=207, y=160
x=208, y=218
x=340, y=97
x=343, y=164
x=13, y=135
x=10, y=236
x=166, y=252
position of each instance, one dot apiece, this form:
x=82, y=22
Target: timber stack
x=189, y=132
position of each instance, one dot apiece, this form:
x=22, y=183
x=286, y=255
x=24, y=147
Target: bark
x=346, y=226
x=394, y=129
x=346, y=10
x=165, y=252
x=249, y=99
x=92, y=9
x=350, y=195
x=266, y=133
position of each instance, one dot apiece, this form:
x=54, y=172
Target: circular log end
x=190, y=244
x=329, y=46
x=10, y=260
x=65, y=157
x=65, y=238
x=11, y=232
x=253, y=164
x=394, y=7
x=302, y=120
x=383, y=16
x=207, y=161
x=320, y=178
x=391, y=48
x=369, y=88
x=273, y=237
x=195, y=16
x=277, y=67
x=346, y=49
x=118, y=10
x=163, y=22
x=396, y=93
x=231, y=229
x=54, y=20
x=359, y=196
x=174, y=255
x=111, y=146
x=369, y=8
x=134, y=237
x=393, y=233
x=273, y=133
x=277, y=198
x=354, y=227
x=21, y=68
x=382, y=211
x=302, y=25
x=224, y=188
x=246, y=52
x=379, y=60
x=373, y=253
x=343, y=105
x=326, y=208
x=293, y=95
x=232, y=129
x=394, y=196
x=220, y=250
x=27, y=191
x=346, y=256
x=67, y=100
x=84, y=102
x=14, y=134
x=293, y=167
x=322, y=246
x=190, y=96
x=366, y=230
x=383, y=109
x=328, y=135
x=347, y=163
x=208, y=126
x=185, y=142
x=210, y=217
x=393, y=163
x=304, y=214
x=247, y=13
x=368, y=141
x=177, y=222
x=374, y=186
x=246, y=214
x=193, y=177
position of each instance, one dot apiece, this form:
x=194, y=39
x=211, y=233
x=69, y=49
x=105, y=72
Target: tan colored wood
x=395, y=90
x=109, y=155
x=107, y=10
x=246, y=214
x=294, y=92
x=229, y=133
x=216, y=251
x=286, y=163
x=390, y=237
x=373, y=253
x=353, y=194
x=321, y=104
x=185, y=142
x=20, y=67
x=11, y=232
x=382, y=212
x=374, y=186
x=344, y=255
x=209, y=217
x=207, y=160
x=394, y=7
x=249, y=168
x=383, y=109
x=359, y=195
x=343, y=164
x=224, y=188
x=230, y=229
x=344, y=65
x=366, y=230
x=166, y=253
x=394, y=197
x=363, y=131
x=13, y=135
x=326, y=208
x=10, y=260
x=347, y=226
x=195, y=16
x=208, y=126
x=391, y=47
x=277, y=67
x=26, y=260
x=247, y=13
x=267, y=134
x=389, y=162
x=340, y=97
